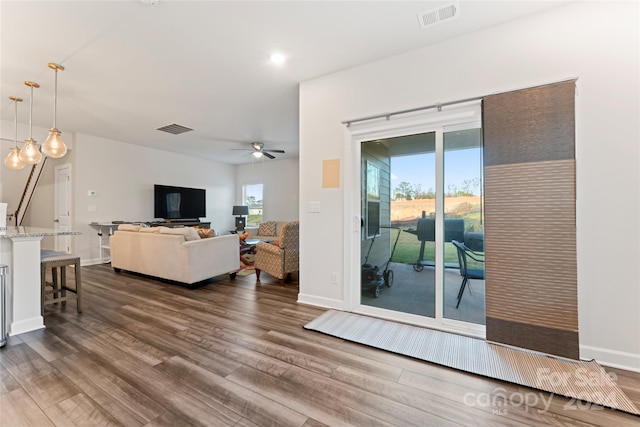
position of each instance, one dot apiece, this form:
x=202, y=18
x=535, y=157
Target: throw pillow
x=205, y=233
x=191, y=234
x=267, y=229
x=243, y=236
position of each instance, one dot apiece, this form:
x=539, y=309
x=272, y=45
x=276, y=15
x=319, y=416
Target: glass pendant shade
x=257, y=154
x=30, y=152
x=12, y=161
x=54, y=146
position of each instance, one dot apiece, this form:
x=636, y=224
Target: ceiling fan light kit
x=257, y=150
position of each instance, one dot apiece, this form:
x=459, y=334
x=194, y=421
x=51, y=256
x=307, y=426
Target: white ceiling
x=132, y=67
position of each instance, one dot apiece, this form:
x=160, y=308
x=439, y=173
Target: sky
x=460, y=165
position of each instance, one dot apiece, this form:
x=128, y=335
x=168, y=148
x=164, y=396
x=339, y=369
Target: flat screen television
x=179, y=202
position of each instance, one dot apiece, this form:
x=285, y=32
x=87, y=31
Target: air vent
x=435, y=16
x=175, y=129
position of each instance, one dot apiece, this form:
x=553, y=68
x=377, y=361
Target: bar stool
x=55, y=260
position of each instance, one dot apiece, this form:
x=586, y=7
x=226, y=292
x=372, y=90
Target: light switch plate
x=314, y=207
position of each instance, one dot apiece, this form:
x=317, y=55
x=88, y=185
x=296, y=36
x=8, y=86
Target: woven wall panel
x=530, y=232
x=530, y=125
x=531, y=244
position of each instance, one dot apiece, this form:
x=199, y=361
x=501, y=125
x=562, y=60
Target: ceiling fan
x=257, y=150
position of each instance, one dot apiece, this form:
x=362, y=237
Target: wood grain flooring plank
x=249, y=404
x=174, y=394
x=49, y=388
x=237, y=353
x=325, y=409
x=17, y=409
x=7, y=382
x=127, y=404
x=115, y=337
x=218, y=362
x=48, y=346
x=431, y=400
x=371, y=367
x=377, y=406
x=79, y=410
x=21, y=360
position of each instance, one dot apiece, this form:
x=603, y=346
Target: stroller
x=371, y=277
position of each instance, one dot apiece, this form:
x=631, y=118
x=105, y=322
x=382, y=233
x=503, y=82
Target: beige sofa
x=177, y=254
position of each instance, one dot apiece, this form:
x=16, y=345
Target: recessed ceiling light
x=278, y=59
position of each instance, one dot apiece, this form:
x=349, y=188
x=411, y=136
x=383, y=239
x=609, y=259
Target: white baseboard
x=26, y=325
x=612, y=358
x=320, y=301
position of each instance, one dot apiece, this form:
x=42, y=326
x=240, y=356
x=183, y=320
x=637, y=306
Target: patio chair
x=465, y=272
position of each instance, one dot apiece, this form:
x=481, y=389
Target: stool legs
x=59, y=283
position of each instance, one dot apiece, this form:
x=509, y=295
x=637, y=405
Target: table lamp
x=240, y=211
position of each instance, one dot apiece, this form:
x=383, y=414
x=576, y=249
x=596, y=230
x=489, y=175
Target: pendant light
x=54, y=146
x=30, y=153
x=12, y=161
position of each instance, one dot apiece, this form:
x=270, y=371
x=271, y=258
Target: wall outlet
x=334, y=277
x=92, y=208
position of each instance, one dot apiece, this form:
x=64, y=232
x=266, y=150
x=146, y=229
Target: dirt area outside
x=408, y=211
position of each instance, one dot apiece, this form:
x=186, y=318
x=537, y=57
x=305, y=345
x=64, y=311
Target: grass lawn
x=408, y=250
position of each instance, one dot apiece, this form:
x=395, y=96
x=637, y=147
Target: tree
x=404, y=191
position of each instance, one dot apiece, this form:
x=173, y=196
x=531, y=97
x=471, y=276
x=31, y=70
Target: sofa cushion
x=129, y=227
x=267, y=229
x=148, y=230
x=188, y=232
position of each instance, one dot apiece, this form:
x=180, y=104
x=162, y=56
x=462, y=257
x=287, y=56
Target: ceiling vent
x=175, y=129
x=435, y=16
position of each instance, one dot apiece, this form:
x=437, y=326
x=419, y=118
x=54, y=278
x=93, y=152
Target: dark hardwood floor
x=148, y=353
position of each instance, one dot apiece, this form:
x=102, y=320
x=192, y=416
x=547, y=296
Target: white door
x=62, y=214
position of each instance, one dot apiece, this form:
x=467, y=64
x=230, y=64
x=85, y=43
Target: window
x=372, y=216
x=252, y=197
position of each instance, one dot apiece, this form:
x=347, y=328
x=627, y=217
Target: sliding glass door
x=398, y=258
x=463, y=261
x=421, y=241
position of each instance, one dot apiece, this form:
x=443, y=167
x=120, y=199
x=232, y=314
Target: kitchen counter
x=20, y=251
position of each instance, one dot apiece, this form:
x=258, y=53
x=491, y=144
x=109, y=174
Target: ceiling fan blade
x=275, y=151
x=268, y=155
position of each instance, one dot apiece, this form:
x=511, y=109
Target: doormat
x=582, y=380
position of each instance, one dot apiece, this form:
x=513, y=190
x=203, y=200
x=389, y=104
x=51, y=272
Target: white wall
x=122, y=175
x=569, y=41
x=280, y=186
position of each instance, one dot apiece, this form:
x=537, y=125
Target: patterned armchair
x=283, y=258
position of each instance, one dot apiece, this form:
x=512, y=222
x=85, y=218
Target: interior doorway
x=62, y=213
